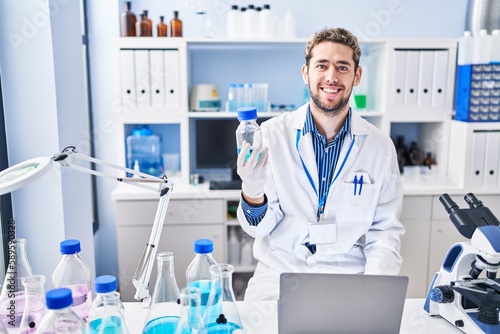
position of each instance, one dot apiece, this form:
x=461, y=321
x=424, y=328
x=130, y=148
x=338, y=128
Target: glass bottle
x=162, y=28
x=248, y=130
x=127, y=21
x=146, y=25
x=34, y=309
x=163, y=314
x=73, y=273
x=221, y=314
x=60, y=318
x=191, y=320
x=176, y=26
x=138, y=25
x=198, y=271
x=106, y=315
x=12, y=298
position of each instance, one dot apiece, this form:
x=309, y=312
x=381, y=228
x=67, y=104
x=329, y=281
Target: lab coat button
x=311, y=261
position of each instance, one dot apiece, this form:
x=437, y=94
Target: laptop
x=316, y=303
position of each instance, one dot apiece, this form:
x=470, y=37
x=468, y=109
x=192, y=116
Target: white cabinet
x=186, y=221
x=416, y=217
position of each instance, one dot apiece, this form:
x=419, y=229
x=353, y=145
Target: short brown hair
x=335, y=35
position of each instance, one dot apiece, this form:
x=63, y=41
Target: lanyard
x=321, y=201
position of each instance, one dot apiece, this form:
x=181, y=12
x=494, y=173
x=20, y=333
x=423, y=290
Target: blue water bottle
x=144, y=150
x=248, y=130
x=106, y=315
x=198, y=272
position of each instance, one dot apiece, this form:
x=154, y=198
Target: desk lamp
x=23, y=173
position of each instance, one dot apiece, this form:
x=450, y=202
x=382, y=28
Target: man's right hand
x=252, y=172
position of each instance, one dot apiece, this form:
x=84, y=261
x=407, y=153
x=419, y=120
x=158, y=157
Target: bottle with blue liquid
x=198, y=272
x=144, y=150
x=248, y=130
x=106, y=315
x=221, y=314
x=164, y=311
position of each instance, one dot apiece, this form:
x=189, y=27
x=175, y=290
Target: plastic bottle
x=73, y=273
x=176, y=26
x=234, y=23
x=34, y=309
x=221, y=314
x=231, y=97
x=12, y=298
x=248, y=130
x=267, y=22
x=251, y=23
x=145, y=146
x=198, y=271
x=290, y=28
x=106, y=315
x=234, y=247
x=163, y=314
x=60, y=318
x=495, y=46
x=246, y=252
x=128, y=21
x=465, y=49
x=162, y=28
x=482, y=48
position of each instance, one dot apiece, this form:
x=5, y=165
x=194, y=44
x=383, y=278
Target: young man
x=325, y=194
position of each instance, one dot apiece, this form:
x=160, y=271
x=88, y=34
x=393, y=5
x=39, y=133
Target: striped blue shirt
x=327, y=156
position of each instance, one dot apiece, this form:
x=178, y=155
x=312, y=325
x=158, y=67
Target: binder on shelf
x=157, y=76
x=440, y=74
x=492, y=159
x=411, y=78
x=399, y=77
x=477, y=157
x=172, y=80
x=127, y=74
x=425, y=78
x=142, y=79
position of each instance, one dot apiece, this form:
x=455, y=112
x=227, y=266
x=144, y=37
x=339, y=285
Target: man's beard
x=333, y=110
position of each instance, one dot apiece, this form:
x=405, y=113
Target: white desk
x=261, y=317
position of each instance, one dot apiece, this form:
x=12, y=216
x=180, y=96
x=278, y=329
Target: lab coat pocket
x=358, y=198
x=358, y=188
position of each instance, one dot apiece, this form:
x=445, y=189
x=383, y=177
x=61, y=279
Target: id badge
x=322, y=232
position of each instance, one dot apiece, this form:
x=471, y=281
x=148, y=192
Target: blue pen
x=355, y=181
x=360, y=184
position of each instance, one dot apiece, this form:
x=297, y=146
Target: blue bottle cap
x=203, y=246
x=70, y=246
x=247, y=113
x=105, y=284
x=57, y=299
x=144, y=131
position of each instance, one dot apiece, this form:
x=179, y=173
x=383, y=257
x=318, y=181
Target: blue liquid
x=249, y=153
x=228, y=328
x=112, y=325
x=162, y=325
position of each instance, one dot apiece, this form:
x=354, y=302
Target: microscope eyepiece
x=473, y=201
x=448, y=203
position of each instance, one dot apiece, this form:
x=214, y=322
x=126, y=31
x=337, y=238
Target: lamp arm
x=143, y=272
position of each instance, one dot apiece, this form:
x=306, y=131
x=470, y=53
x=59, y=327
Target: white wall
x=41, y=66
x=34, y=99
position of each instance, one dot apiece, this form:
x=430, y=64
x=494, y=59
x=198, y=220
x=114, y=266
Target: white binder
x=157, y=75
x=492, y=159
x=426, y=69
x=142, y=78
x=399, y=77
x=127, y=74
x=411, y=78
x=477, y=163
x=439, y=89
x=172, y=79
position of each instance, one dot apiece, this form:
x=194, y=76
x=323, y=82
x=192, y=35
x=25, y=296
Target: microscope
x=466, y=291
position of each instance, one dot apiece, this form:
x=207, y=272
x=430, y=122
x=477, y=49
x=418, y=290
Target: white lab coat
x=368, y=230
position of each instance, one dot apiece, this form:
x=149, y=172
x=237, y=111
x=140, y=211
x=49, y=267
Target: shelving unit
x=277, y=62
